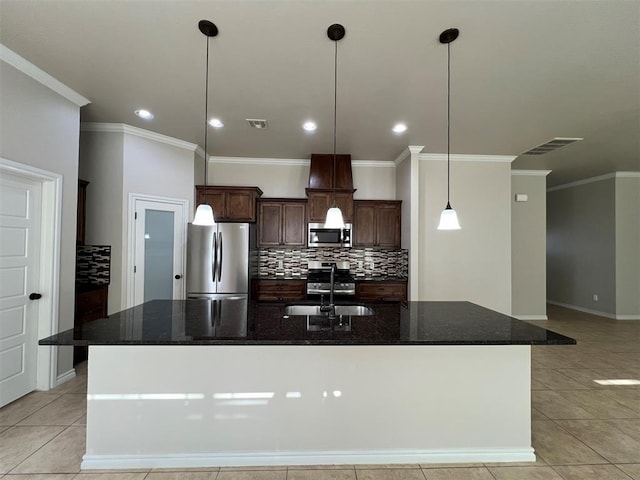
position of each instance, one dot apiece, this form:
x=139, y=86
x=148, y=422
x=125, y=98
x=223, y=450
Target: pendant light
x=204, y=212
x=334, y=215
x=449, y=217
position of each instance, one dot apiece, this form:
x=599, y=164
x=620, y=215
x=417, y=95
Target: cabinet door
x=215, y=199
x=269, y=224
x=294, y=222
x=319, y=203
x=240, y=206
x=364, y=228
x=388, y=225
x=344, y=201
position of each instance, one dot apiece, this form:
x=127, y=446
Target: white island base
x=206, y=406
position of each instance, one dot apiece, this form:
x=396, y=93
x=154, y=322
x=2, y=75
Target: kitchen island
x=194, y=384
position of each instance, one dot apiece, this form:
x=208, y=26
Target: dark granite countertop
x=234, y=322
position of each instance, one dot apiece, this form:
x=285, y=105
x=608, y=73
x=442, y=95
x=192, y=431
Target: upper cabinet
x=321, y=200
x=230, y=204
x=376, y=223
x=282, y=222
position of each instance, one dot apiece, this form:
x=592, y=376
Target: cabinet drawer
x=381, y=291
x=279, y=290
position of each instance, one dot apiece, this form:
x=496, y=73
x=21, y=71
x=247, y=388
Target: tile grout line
x=40, y=448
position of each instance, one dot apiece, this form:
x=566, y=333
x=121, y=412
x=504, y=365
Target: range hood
x=321, y=172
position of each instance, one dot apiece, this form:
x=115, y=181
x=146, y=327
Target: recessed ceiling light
x=216, y=123
x=144, y=114
x=309, y=126
x=399, y=128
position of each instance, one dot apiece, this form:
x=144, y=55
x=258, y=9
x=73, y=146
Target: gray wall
x=120, y=163
x=628, y=246
x=473, y=263
x=528, y=246
x=581, y=246
x=101, y=164
x=41, y=128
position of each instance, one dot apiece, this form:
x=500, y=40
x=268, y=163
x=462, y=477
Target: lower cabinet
x=90, y=304
x=381, y=291
x=279, y=290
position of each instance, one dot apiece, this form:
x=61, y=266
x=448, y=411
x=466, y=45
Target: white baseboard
x=530, y=317
x=612, y=316
x=92, y=462
x=65, y=377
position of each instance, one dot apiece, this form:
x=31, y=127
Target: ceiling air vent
x=550, y=146
x=257, y=122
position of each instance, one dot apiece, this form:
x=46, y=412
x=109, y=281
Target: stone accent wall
x=365, y=262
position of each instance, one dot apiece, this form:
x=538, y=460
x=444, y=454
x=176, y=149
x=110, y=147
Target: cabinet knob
x=178, y=277
x=35, y=296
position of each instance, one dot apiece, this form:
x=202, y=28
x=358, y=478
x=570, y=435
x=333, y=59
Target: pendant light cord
x=448, y=118
x=335, y=116
x=206, y=115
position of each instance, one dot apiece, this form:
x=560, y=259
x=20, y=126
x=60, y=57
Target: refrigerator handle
x=214, y=266
x=220, y=259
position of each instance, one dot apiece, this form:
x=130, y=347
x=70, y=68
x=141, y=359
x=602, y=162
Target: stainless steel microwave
x=319, y=236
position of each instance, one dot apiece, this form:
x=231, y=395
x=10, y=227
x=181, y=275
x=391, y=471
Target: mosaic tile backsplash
x=365, y=262
x=93, y=264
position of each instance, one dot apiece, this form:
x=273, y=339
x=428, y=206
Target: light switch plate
x=522, y=197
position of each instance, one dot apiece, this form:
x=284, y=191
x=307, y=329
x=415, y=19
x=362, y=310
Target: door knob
x=35, y=296
x=178, y=277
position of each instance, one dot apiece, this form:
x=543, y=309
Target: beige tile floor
x=581, y=430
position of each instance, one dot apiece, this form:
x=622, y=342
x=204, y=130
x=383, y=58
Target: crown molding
x=373, y=163
x=25, y=66
x=531, y=173
x=598, y=178
x=468, y=158
x=293, y=161
x=136, y=131
x=259, y=161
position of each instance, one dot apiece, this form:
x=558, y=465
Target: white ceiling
x=523, y=72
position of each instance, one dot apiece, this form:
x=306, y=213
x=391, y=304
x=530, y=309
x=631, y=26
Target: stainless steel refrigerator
x=218, y=260
x=218, y=269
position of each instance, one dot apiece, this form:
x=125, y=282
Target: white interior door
x=20, y=224
x=159, y=251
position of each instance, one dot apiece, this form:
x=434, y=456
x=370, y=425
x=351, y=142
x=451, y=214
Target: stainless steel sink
x=352, y=310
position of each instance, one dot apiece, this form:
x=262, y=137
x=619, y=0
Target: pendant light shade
x=204, y=212
x=334, y=218
x=449, y=217
x=204, y=215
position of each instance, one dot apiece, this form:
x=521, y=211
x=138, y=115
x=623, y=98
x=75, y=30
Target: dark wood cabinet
x=391, y=291
x=90, y=304
x=376, y=223
x=321, y=200
x=282, y=222
x=82, y=212
x=321, y=171
x=267, y=290
x=230, y=204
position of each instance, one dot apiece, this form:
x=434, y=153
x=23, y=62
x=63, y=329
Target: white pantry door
x=159, y=251
x=20, y=224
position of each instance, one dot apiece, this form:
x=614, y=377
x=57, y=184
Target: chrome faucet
x=331, y=308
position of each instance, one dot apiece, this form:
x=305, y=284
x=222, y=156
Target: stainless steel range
x=319, y=279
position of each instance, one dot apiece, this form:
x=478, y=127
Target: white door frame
x=50, y=239
x=131, y=243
